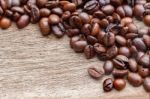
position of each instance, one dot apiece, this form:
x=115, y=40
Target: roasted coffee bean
x=16, y=16
x=74, y=39
x=84, y=17
x=142, y=32
x=126, y=20
x=99, y=14
x=1, y=11
x=41, y=3
x=124, y=51
x=58, y=30
x=139, y=43
x=44, y=26
x=4, y=4
x=86, y=29
x=96, y=72
x=18, y=9
x=108, y=84
x=79, y=46
x=143, y=72
x=146, y=40
x=95, y=29
x=147, y=20
x=119, y=73
x=120, y=62
x=23, y=21
x=104, y=23
x=77, y=2
x=139, y=55
x=116, y=2
x=69, y=7
x=66, y=15
x=108, y=9
x=72, y=32
x=145, y=60
x=131, y=35
x=57, y=11
x=139, y=11
x=119, y=84
x=35, y=14
x=109, y=39
x=5, y=23
x=75, y=21
x=146, y=84
x=54, y=19
x=91, y=6
x=112, y=52
x=52, y=4
x=135, y=79
x=121, y=40
x=108, y=67
x=89, y=51
x=132, y=28
x=99, y=49
x=44, y=12
x=92, y=40
x=133, y=66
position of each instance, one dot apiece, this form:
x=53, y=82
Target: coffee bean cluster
x=97, y=28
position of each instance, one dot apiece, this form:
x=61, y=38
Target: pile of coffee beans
x=97, y=28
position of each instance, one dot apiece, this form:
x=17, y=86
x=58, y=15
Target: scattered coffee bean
x=108, y=67
x=108, y=84
x=146, y=84
x=5, y=23
x=119, y=84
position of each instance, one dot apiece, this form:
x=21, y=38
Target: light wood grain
x=37, y=67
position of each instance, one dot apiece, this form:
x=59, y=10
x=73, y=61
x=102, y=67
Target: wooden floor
x=37, y=67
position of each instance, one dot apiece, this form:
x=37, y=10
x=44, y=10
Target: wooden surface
x=36, y=67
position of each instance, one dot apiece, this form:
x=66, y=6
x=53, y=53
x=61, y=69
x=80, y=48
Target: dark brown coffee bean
x=143, y=72
x=23, y=21
x=5, y=23
x=41, y=3
x=18, y=9
x=139, y=43
x=52, y=4
x=4, y=4
x=124, y=51
x=108, y=84
x=131, y=35
x=99, y=49
x=77, y=2
x=146, y=84
x=104, y=23
x=121, y=40
x=89, y=51
x=142, y=32
x=16, y=16
x=109, y=39
x=120, y=62
x=128, y=10
x=54, y=19
x=57, y=11
x=99, y=14
x=79, y=46
x=119, y=84
x=96, y=72
x=44, y=12
x=66, y=15
x=132, y=28
x=44, y=26
x=84, y=17
x=112, y=52
x=139, y=55
x=69, y=7
x=108, y=9
x=86, y=29
x=146, y=40
x=92, y=40
x=35, y=14
x=147, y=20
x=108, y=67
x=95, y=29
x=91, y=6
x=135, y=79
x=75, y=21
x=74, y=39
x=133, y=66
x=119, y=73
x=139, y=11
x=100, y=36
x=58, y=30
x=145, y=60
x=126, y=20
x=116, y=2
x=72, y=32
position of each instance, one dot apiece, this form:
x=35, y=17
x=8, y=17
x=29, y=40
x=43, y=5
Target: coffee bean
x=133, y=65
x=23, y=21
x=18, y=9
x=147, y=20
x=44, y=12
x=139, y=43
x=3, y=4
x=125, y=51
x=79, y=46
x=92, y=40
x=35, y=14
x=104, y=23
x=121, y=40
x=84, y=17
x=108, y=67
x=135, y=79
x=108, y=84
x=44, y=26
x=126, y=20
x=112, y=52
x=57, y=11
x=52, y=4
x=132, y=28
x=145, y=60
x=69, y=7
x=5, y=23
x=139, y=11
x=143, y=72
x=72, y=32
x=119, y=73
x=77, y=2
x=119, y=84
x=16, y=16
x=108, y=9
x=89, y=51
x=96, y=72
x=54, y=19
x=146, y=40
x=120, y=62
x=99, y=48
x=75, y=21
x=109, y=39
x=95, y=29
x=116, y=2
x=41, y=3
x=58, y=30
x=146, y=84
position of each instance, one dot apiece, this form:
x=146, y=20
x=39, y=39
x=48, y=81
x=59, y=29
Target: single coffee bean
x=72, y=32
x=139, y=43
x=146, y=40
x=108, y=9
x=5, y=23
x=119, y=73
x=44, y=12
x=92, y=40
x=145, y=60
x=147, y=20
x=108, y=67
x=58, y=30
x=143, y=72
x=16, y=16
x=52, y=4
x=104, y=23
x=4, y=4
x=95, y=29
x=112, y=52
x=131, y=35
x=132, y=28
x=77, y=2
x=69, y=7
x=120, y=40
x=108, y=84
x=120, y=62
x=84, y=17
x=44, y=26
x=135, y=79
x=96, y=72
x=139, y=55
x=146, y=84
x=89, y=51
x=99, y=14
x=99, y=49
x=57, y=11
x=23, y=21
x=124, y=51
x=119, y=84
x=79, y=46
x=133, y=65
x=86, y=29
x=74, y=39
x=75, y=21
x=126, y=20
x=139, y=11
x=54, y=19
x=18, y=9
x=35, y=13
x=116, y=2
x=109, y=39
x=41, y=3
